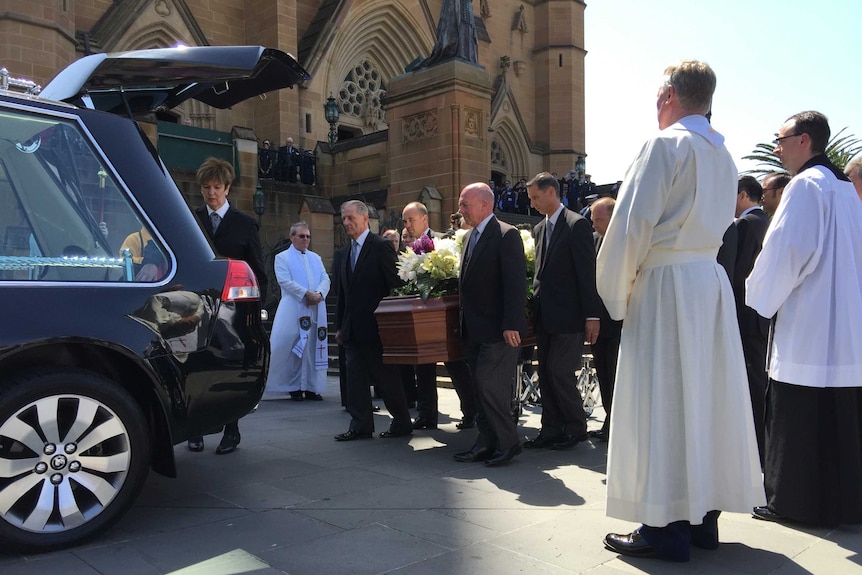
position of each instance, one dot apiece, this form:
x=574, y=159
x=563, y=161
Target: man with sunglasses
x=773, y=187
x=807, y=276
x=299, y=356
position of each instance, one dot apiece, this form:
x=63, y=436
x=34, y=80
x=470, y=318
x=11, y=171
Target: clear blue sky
x=773, y=58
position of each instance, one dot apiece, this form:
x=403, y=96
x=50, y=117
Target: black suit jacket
x=360, y=290
x=750, y=230
x=609, y=327
x=237, y=237
x=493, y=285
x=565, y=281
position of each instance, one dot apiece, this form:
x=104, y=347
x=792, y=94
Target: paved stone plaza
x=292, y=500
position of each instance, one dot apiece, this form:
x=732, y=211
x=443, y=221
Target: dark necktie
x=215, y=219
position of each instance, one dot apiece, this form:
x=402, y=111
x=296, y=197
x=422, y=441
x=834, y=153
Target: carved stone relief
x=418, y=126
x=471, y=123
x=162, y=8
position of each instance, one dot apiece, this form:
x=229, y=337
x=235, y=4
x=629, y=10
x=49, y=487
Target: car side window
x=63, y=217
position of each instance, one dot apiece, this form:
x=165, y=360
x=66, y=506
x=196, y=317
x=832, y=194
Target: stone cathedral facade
x=401, y=136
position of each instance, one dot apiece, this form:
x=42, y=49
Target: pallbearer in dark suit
x=606, y=348
x=415, y=216
x=367, y=276
x=234, y=235
x=493, y=295
x=566, y=312
x=751, y=223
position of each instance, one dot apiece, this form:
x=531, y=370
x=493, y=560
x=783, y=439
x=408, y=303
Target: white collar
x=555, y=216
x=221, y=211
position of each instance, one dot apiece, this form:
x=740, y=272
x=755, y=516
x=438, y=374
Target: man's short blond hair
x=694, y=82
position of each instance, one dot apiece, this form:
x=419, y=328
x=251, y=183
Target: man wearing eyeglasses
x=299, y=356
x=808, y=276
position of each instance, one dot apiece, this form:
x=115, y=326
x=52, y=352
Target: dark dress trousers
x=493, y=295
x=359, y=293
x=237, y=237
x=565, y=294
x=753, y=329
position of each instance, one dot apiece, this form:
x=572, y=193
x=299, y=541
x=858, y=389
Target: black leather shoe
x=196, y=444
x=467, y=423
x=310, y=395
x=502, y=456
x=351, y=435
x=389, y=434
x=541, y=441
x=296, y=396
x=569, y=441
x=633, y=544
x=599, y=434
x=766, y=514
x=228, y=443
x=476, y=453
x=424, y=423
x=375, y=408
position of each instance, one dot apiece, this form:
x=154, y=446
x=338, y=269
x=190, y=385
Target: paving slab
x=291, y=500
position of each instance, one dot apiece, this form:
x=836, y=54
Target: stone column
x=438, y=132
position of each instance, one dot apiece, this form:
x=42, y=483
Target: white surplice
x=682, y=435
x=296, y=273
x=810, y=273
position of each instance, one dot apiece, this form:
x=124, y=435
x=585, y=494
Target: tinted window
x=62, y=215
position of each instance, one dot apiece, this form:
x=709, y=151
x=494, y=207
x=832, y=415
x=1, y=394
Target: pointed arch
x=512, y=147
x=382, y=36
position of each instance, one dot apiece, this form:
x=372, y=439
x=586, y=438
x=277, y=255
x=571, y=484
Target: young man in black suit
x=493, y=295
x=751, y=223
x=566, y=314
x=368, y=274
x=234, y=235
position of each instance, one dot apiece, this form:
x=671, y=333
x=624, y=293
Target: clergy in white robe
x=682, y=440
x=809, y=276
x=298, y=358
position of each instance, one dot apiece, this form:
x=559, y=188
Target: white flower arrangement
x=431, y=267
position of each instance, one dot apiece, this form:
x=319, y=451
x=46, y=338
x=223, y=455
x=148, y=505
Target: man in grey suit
x=566, y=310
x=493, y=294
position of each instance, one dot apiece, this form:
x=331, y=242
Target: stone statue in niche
x=456, y=35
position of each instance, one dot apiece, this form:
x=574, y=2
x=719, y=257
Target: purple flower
x=423, y=245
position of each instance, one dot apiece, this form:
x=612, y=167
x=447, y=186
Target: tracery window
x=497, y=156
x=360, y=94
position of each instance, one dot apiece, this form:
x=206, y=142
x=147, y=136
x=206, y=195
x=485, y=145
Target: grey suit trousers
x=493, y=368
